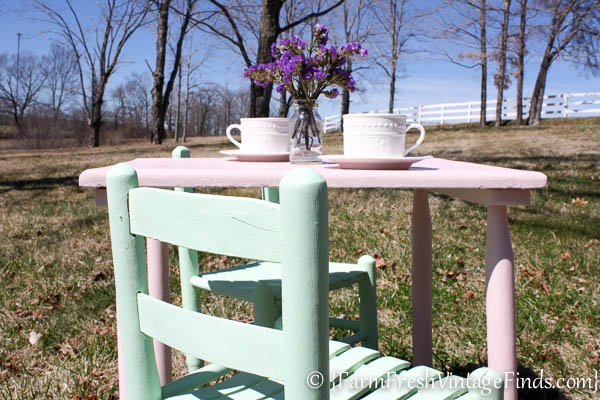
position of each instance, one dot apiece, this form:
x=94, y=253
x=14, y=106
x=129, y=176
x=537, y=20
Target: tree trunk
x=521, y=62
x=162, y=30
x=483, y=50
x=537, y=98
x=186, y=105
x=260, y=98
x=345, y=109
x=95, y=125
x=502, y=64
x=392, y=86
x=95, y=116
x=178, y=111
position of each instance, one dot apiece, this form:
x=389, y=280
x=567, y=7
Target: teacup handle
x=419, y=140
x=228, y=133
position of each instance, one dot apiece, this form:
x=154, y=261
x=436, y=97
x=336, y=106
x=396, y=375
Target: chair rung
x=344, y=324
x=357, y=337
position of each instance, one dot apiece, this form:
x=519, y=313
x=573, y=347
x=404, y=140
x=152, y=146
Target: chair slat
x=337, y=348
x=238, y=383
x=239, y=282
x=265, y=388
x=404, y=385
x=194, y=380
x=207, y=223
x=233, y=344
x=346, y=363
x=367, y=377
x=448, y=388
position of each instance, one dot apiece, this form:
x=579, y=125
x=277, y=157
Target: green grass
x=56, y=277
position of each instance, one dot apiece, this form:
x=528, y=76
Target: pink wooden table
x=494, y=187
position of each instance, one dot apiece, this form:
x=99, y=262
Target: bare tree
x=269, y=29
x=500, y=79
x=191, y=68
x=393, y=17
x=161, y=92
x=520, y=59
x=21, y=81
x=61, y=77
x=357, y=27
x=463, y=29
x=133, y=105
x=96, y=49
x=572, y=31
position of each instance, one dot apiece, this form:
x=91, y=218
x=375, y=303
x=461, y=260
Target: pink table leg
x=500, y=299
x=422, y=279
x=158, y=287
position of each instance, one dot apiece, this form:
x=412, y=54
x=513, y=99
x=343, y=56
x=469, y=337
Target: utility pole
x=18, y=55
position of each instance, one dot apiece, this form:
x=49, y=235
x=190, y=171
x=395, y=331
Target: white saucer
x=257, y=157
x=354, y=162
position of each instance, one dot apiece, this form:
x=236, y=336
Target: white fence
x=554, y=106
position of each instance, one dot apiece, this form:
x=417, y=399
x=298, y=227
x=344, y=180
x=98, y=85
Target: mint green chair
x=260, y=283
x=295, y=363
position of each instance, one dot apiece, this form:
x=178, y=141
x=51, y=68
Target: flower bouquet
x=306, y=72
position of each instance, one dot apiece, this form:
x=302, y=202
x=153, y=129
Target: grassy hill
x=56, y=281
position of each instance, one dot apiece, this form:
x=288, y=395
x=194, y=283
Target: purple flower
x=333, y=51
x=319, y=74
x=308, y=71
x=261, y=83
x=320, y=34
x=307, y=74
x=275, y=52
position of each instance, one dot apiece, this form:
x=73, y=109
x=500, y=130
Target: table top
x=432, y=173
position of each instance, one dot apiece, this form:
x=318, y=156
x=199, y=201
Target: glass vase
x=306, y=133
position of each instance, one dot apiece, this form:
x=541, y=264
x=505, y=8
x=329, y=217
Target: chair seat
x=241, y=281
x=356, y=373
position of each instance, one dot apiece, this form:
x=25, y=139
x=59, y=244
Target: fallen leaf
x=579, y=201
x=593, y=242
x=545, y=287
x=34, y=337
x=461, y=226
x=379, y=261
x=469, y=294
x=596, y=359
x=565, y=255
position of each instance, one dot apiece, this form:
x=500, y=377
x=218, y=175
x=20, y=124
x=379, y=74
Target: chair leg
x=264, y=305
x=188, y=261
x=368, y=303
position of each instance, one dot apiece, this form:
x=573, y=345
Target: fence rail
x=554, y=106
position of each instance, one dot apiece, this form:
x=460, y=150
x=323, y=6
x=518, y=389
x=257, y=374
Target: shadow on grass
x=532, y=385
x=38, y=184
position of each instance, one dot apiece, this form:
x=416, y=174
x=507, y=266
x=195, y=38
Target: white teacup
x=378, y=135
x=262, y=135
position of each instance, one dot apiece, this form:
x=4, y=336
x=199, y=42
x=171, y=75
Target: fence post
x=419, y=112
x=443, y=112
x=565, y=105
x=470, y=108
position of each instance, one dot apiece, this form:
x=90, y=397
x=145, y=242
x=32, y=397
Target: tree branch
x=309, y=16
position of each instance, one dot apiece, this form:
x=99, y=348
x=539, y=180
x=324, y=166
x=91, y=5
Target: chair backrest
x=294, y=233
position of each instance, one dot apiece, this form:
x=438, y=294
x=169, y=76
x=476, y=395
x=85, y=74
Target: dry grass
x=55, y=262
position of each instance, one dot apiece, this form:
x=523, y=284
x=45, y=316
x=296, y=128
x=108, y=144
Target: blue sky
x=424, y=81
